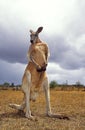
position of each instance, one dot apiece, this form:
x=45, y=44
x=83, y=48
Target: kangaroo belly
x=36, y=77
x=40, y=58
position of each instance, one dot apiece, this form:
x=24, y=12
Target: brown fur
x=33, y=79
x=39, y=52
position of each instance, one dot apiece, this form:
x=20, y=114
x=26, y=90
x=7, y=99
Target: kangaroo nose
x=31, y=41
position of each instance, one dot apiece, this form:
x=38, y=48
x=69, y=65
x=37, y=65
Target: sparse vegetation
x=8, y=86
x=70, y=103
x=53, y=84
x=66, y=87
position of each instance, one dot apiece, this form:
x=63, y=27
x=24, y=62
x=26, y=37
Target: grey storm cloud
x=13, y=49
x=64, y=54
x=14, y=40
x=11, y=72
x=64, y=35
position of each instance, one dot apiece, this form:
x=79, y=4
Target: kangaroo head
x=34, y=36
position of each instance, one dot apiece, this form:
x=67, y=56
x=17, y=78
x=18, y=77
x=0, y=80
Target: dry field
x=68, y=103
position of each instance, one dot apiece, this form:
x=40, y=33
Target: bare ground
x=71, y=104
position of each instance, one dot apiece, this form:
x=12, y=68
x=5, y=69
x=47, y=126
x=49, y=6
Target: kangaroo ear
x=31, y=31
x=39, y=29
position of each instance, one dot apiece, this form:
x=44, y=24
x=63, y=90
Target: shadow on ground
x=21, y=114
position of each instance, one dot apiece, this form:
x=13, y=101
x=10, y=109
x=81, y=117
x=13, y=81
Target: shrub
x=53, y=84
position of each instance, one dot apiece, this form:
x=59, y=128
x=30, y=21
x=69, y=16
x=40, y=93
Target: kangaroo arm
x=34, y=62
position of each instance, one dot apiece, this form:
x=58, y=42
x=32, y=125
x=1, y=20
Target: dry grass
x=70, y=103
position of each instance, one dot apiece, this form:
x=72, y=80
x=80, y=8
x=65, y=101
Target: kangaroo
x=35, y=75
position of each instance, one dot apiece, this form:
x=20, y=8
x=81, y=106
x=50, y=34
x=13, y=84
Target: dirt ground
x=68, y=103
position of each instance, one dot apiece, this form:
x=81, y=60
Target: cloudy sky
x=64, y=32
